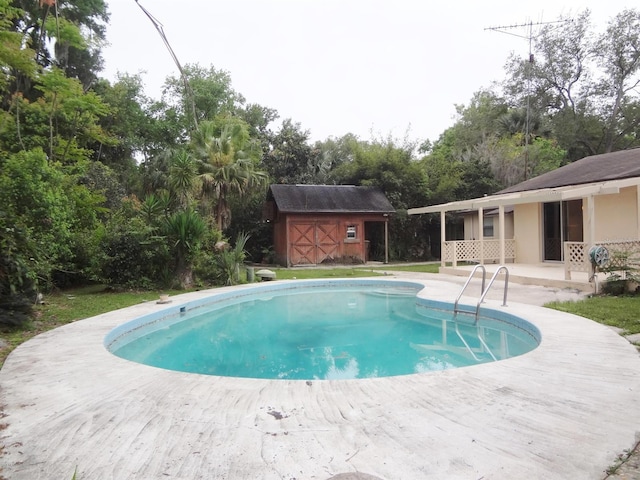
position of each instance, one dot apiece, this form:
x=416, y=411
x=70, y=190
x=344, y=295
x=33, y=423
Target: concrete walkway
x=562, y=411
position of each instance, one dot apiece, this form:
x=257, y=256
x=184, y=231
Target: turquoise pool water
x=327, y=331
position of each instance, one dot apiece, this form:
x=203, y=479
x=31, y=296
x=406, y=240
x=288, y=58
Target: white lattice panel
x=467, y=250
x=470, y=250
x=447, y=252
x=491, y=249
x=510, y=249
x=575, y=257
x=623, y=253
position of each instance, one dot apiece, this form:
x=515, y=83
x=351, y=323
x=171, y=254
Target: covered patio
x=540, y=274
x=520, y=240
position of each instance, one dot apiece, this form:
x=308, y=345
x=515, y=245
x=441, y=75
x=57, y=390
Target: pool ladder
x=484, y=291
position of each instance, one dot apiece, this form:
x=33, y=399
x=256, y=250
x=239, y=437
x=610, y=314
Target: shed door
x=313, y=242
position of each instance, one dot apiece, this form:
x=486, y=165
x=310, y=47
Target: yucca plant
x=229, y=261
x=185, y=231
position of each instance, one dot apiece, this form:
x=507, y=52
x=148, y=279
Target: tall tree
x=290, y=159
x=209, y=94
x=584, y=83
x=618, y=54
x=225, y=166
x=68, y=35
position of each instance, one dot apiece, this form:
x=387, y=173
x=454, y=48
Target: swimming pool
x=311, y=330
x=114, y=418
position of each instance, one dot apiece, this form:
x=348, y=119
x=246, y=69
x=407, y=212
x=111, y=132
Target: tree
x=210, y=94
x=15, y=59
x=332, y=153
x=130, y=122
x=290, y=159
x=618, y=54
x=582, y=83
x=67, y=35
x=185, y=231
x=49, y=211
x=225, y=167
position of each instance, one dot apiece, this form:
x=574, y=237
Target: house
x=559, y=216
x=313, y=224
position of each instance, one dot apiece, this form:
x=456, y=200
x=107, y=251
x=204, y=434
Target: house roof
x=596, y=175
x=596, y=168
x=329, y=199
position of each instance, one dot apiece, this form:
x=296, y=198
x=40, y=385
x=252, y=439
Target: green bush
x=133, y=256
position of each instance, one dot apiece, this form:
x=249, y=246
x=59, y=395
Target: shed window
x=351, y=232
x=487, y=227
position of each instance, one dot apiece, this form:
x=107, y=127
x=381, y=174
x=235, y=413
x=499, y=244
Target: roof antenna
x=187, y=87
x=529, y=36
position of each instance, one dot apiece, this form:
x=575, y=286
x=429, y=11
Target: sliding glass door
x=562, y=222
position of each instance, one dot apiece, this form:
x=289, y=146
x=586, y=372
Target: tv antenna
x=188, y=92
x=529, y=36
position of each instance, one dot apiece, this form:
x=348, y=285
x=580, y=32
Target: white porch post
x=443, y=238
x=501, y=227
x=386, y=241
x=481, y=233
x=638, y=212
x=590, y=220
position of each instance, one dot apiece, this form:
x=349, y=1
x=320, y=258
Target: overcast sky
x=339, y=66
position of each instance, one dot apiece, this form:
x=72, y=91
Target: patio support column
x=590, y=220
x=443, y=238
x=481, y=233
x=501, y=227
x=386, y=241
x=638, y=212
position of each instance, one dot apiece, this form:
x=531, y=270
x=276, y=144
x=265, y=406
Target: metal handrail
x=484, y=293
x=484, y=277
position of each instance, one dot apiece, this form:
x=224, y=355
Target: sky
x=368, y=67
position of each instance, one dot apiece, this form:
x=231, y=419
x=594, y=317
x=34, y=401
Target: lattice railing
x=576, y=258
x=622, y=254
x=475, y=250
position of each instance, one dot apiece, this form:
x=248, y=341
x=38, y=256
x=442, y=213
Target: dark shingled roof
x=594, y=169
x=329, y=199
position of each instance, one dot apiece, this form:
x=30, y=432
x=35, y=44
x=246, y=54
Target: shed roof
x=329, y=199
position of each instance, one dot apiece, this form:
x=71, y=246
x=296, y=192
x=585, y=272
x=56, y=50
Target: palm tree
x=225, y=166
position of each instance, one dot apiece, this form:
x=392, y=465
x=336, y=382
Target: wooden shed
x=314, y=224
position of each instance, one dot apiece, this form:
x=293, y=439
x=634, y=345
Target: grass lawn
x=622, y=312
x=69, y=306
x=321, y=272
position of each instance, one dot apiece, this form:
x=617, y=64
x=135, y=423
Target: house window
x=351, y=232
x=487, y=227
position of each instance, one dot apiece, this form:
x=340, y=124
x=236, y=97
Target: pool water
x=313, y=333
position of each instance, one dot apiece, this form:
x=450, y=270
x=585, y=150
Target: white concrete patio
x=548, y=274
x=562, y=411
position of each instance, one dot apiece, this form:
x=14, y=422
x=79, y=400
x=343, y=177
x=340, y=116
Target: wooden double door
x=312, y=243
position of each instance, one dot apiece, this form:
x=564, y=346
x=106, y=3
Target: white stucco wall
x=616, y=216
x=527, y=232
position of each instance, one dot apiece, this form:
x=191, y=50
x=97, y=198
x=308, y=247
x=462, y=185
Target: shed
x=314, y=224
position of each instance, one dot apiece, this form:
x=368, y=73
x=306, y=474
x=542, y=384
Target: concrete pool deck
x=564, y=410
